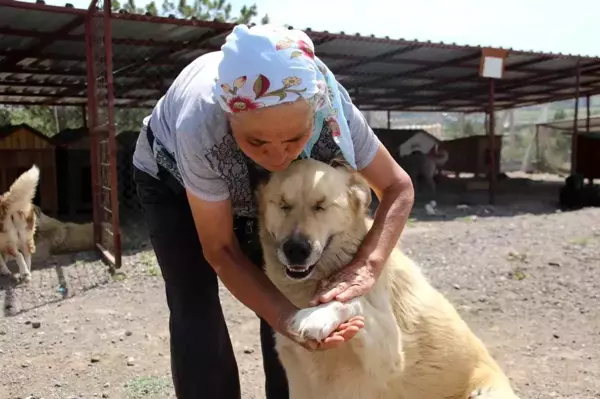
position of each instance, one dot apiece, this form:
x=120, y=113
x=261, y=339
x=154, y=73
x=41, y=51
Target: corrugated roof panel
x=448, y=72
x=556, y=63
x=512, y=74
x=34, y=20
x=15, y=42
x=66, y=48
x=434, y=54
x=408, y=82
x=134, y=64
x=381, y=68
x=350, y=47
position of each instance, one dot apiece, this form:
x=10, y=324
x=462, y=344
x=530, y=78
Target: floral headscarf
x=268, y=65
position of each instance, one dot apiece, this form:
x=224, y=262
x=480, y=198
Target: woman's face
x=273, y=136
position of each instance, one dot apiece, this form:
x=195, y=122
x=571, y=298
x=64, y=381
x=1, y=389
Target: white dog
x=423, y=167
x=414, y=345
x=18, y=222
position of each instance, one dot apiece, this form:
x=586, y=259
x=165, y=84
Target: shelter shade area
x=106, y=63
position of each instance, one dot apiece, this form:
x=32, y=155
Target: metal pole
x=587, y=119
x=492, y=146
x=537, y=148
x=112, y=141
x=575, y=136
x=92, y=122
x=389, y=119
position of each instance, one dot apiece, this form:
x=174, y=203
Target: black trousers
x=202, y=359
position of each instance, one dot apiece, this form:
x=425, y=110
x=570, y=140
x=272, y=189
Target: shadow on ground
x=55, y=279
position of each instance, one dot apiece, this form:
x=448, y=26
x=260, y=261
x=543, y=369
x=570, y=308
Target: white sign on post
x=492, y=63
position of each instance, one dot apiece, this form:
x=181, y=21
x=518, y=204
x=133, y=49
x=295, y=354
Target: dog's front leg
x=320, y=321
x=23, y=269
x=3, y=267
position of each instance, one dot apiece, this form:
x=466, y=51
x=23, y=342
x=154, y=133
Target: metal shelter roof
x=43, y=61
x=567, y=124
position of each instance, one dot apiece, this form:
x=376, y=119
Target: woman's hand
x=343, y=333
x=354, y=280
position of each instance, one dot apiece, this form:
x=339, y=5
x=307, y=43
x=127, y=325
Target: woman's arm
x=394, y=188
x=251, y=286
x=395, y=192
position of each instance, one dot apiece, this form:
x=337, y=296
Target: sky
x=569, y=27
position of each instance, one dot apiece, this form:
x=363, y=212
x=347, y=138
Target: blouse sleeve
x=365, y=142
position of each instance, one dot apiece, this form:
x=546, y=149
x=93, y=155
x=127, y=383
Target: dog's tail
x=22, y=191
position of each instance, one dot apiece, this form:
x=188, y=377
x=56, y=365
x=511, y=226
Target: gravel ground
x=528, y=285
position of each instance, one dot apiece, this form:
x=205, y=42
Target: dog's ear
x=339, y=162
x=360, y=191
x=259, y=193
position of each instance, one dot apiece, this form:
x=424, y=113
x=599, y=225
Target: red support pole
x=575, y=136
x=587, y=119
x=492, y=146
x=92, y=123
x=112, y=141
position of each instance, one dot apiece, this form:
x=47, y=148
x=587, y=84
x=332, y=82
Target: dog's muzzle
x=297, y=253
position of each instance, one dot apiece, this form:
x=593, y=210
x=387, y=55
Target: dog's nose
x=297, y=250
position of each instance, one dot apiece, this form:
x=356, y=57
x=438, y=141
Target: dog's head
x=306, y=207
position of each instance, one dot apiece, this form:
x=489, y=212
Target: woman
x=230, y=118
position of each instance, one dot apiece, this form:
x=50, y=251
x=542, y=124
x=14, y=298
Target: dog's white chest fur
x=361, y=368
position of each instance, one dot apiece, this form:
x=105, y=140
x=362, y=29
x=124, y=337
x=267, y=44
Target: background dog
x=312, y=219
x=18, y=222
x=423, y=167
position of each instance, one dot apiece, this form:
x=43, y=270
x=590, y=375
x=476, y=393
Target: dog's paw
x=319, y=322
x=26, y=277
x=23, y=278
x=5, y=272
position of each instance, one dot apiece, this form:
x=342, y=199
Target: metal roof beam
x=173, y=45
x=377, y=58
x=512, y=84
x=471, y=78
x=419, y=71
x=43, y=42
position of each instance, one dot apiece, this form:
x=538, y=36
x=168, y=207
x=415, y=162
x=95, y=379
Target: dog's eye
x=318, y=208
x=285, y=207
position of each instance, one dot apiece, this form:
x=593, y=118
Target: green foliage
x=50, y=120
x=207, y=10
x=560, y=114
x=4, y=116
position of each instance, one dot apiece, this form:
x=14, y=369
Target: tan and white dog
x=54, y=236
x=18, y=223
x=414, y=345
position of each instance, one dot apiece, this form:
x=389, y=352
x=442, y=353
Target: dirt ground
x=526, y=279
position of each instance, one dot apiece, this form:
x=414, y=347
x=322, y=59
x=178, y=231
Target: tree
x=560, y=114
x=4, y=117
x=206, y=10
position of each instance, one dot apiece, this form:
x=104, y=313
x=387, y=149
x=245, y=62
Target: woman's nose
x=277, y=154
